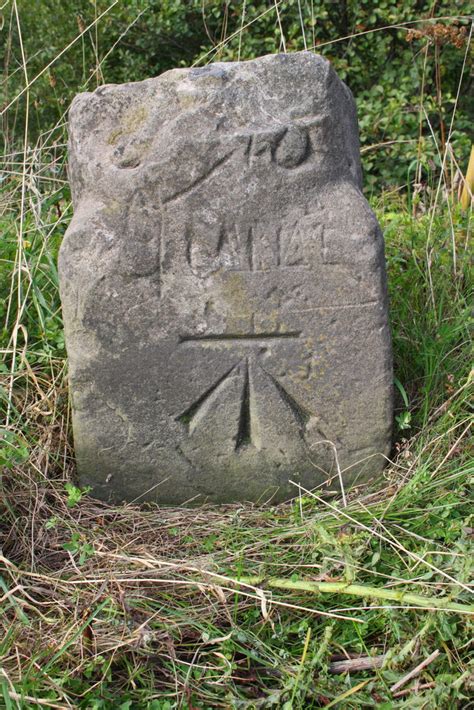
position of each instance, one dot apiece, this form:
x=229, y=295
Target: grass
x=105, y=607
x=129, y=607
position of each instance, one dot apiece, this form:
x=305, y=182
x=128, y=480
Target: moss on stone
x=132, y=120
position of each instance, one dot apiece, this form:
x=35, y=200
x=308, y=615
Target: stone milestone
x=223, y=287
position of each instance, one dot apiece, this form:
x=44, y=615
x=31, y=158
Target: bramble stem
x=360, y=590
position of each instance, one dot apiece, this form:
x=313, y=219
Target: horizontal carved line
x=240, y=337
x=341, y=307
x=272, y=270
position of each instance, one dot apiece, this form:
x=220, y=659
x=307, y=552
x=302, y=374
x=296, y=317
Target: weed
x=74, y=494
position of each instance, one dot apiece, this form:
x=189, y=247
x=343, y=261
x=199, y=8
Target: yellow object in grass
x=468, y=188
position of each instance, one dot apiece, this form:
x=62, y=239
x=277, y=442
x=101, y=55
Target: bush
x=405, y=82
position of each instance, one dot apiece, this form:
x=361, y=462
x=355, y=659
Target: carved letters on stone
x=243, y=247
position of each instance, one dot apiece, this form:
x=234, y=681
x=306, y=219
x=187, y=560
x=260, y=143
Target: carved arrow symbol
x=253, y=385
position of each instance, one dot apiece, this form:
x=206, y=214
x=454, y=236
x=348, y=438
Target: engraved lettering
x=236, y=246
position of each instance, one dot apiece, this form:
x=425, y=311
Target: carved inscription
x=286, y=146
x=236, y=246
x=142, y=244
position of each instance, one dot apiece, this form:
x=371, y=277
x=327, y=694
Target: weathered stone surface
x=223, y=286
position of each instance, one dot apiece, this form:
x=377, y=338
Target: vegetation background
x=308, y=604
